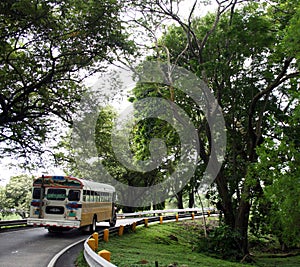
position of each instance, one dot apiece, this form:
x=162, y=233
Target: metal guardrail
x=119, y=215
x=155, y=212
x=94, y=260
x=13, y=222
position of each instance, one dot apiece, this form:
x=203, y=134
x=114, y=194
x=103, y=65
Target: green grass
x=80, y=261
x=169, y=243
x=262, y=261
x=172, y=244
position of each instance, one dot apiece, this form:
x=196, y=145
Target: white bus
x=64, y=202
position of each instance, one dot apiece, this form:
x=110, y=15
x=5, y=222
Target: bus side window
x=104, y=196
x=97, y=197
x=84, y=195
x=74, y=195
x=88, y=196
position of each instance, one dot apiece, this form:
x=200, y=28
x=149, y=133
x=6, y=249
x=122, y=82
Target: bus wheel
x=93, y=225
x=113, y=221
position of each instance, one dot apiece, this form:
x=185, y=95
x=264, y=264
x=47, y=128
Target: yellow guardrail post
x=121, y=230
x=176, y=216
x=92, y=243
x=104, y=254
x=146, y=222
x=161, y=219
x=96, y=237
x=105, y=235
x=193, y=216
x=133, y=227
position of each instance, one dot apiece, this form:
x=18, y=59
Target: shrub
x=222, y=242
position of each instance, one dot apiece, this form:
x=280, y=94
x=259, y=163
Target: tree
x=47, y=49
x=86, y=165
x=239, y=53
x=18, y=194
x=279, y=170
x=151, y=128
x=2, y=201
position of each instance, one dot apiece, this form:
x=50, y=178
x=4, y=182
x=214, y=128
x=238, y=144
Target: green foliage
x=281, y=214
x=240, y=54
x=279, y=170
x=169, y=243
x=158, y=243
x=2, y=200
x=247, y=54
x=223, y=242
x=17, y=195
x=46, y=49
x=292, y=37
x=80, y=261
x=106, y=155
x=149, y=128
x=110, y=161
x=8, y=215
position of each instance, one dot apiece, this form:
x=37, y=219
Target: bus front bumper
x=53, y=223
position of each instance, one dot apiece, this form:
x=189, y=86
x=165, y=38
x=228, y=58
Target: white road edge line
x=56, y=257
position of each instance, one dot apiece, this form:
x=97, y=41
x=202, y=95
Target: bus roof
x=68, y=181
x=92, y=185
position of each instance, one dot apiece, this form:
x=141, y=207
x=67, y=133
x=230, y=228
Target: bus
x=63, y=202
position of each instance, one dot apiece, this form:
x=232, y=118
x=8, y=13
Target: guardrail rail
x=13, y=223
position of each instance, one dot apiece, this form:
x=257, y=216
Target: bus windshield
x=56, y=194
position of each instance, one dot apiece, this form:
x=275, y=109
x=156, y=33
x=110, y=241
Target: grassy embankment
x=172, y=244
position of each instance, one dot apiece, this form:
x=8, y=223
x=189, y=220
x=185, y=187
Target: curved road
x=35, y=247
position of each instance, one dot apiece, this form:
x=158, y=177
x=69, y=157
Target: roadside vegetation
x=10, y=217
x=183, y=244
x=247, y=54
x=15, y=197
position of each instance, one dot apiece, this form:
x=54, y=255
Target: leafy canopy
x=46, y=49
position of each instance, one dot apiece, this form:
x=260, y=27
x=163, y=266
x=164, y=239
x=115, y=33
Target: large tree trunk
x=226, y=203
x=236, y=220
x=241, y=225
x=179, y=200
x=191, y=197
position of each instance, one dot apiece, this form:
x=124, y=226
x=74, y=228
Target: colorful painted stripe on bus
x=59, y=181
x=73, y=206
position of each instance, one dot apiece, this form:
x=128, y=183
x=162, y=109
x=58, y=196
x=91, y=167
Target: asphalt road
x=69, y=257
x=35, y=247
